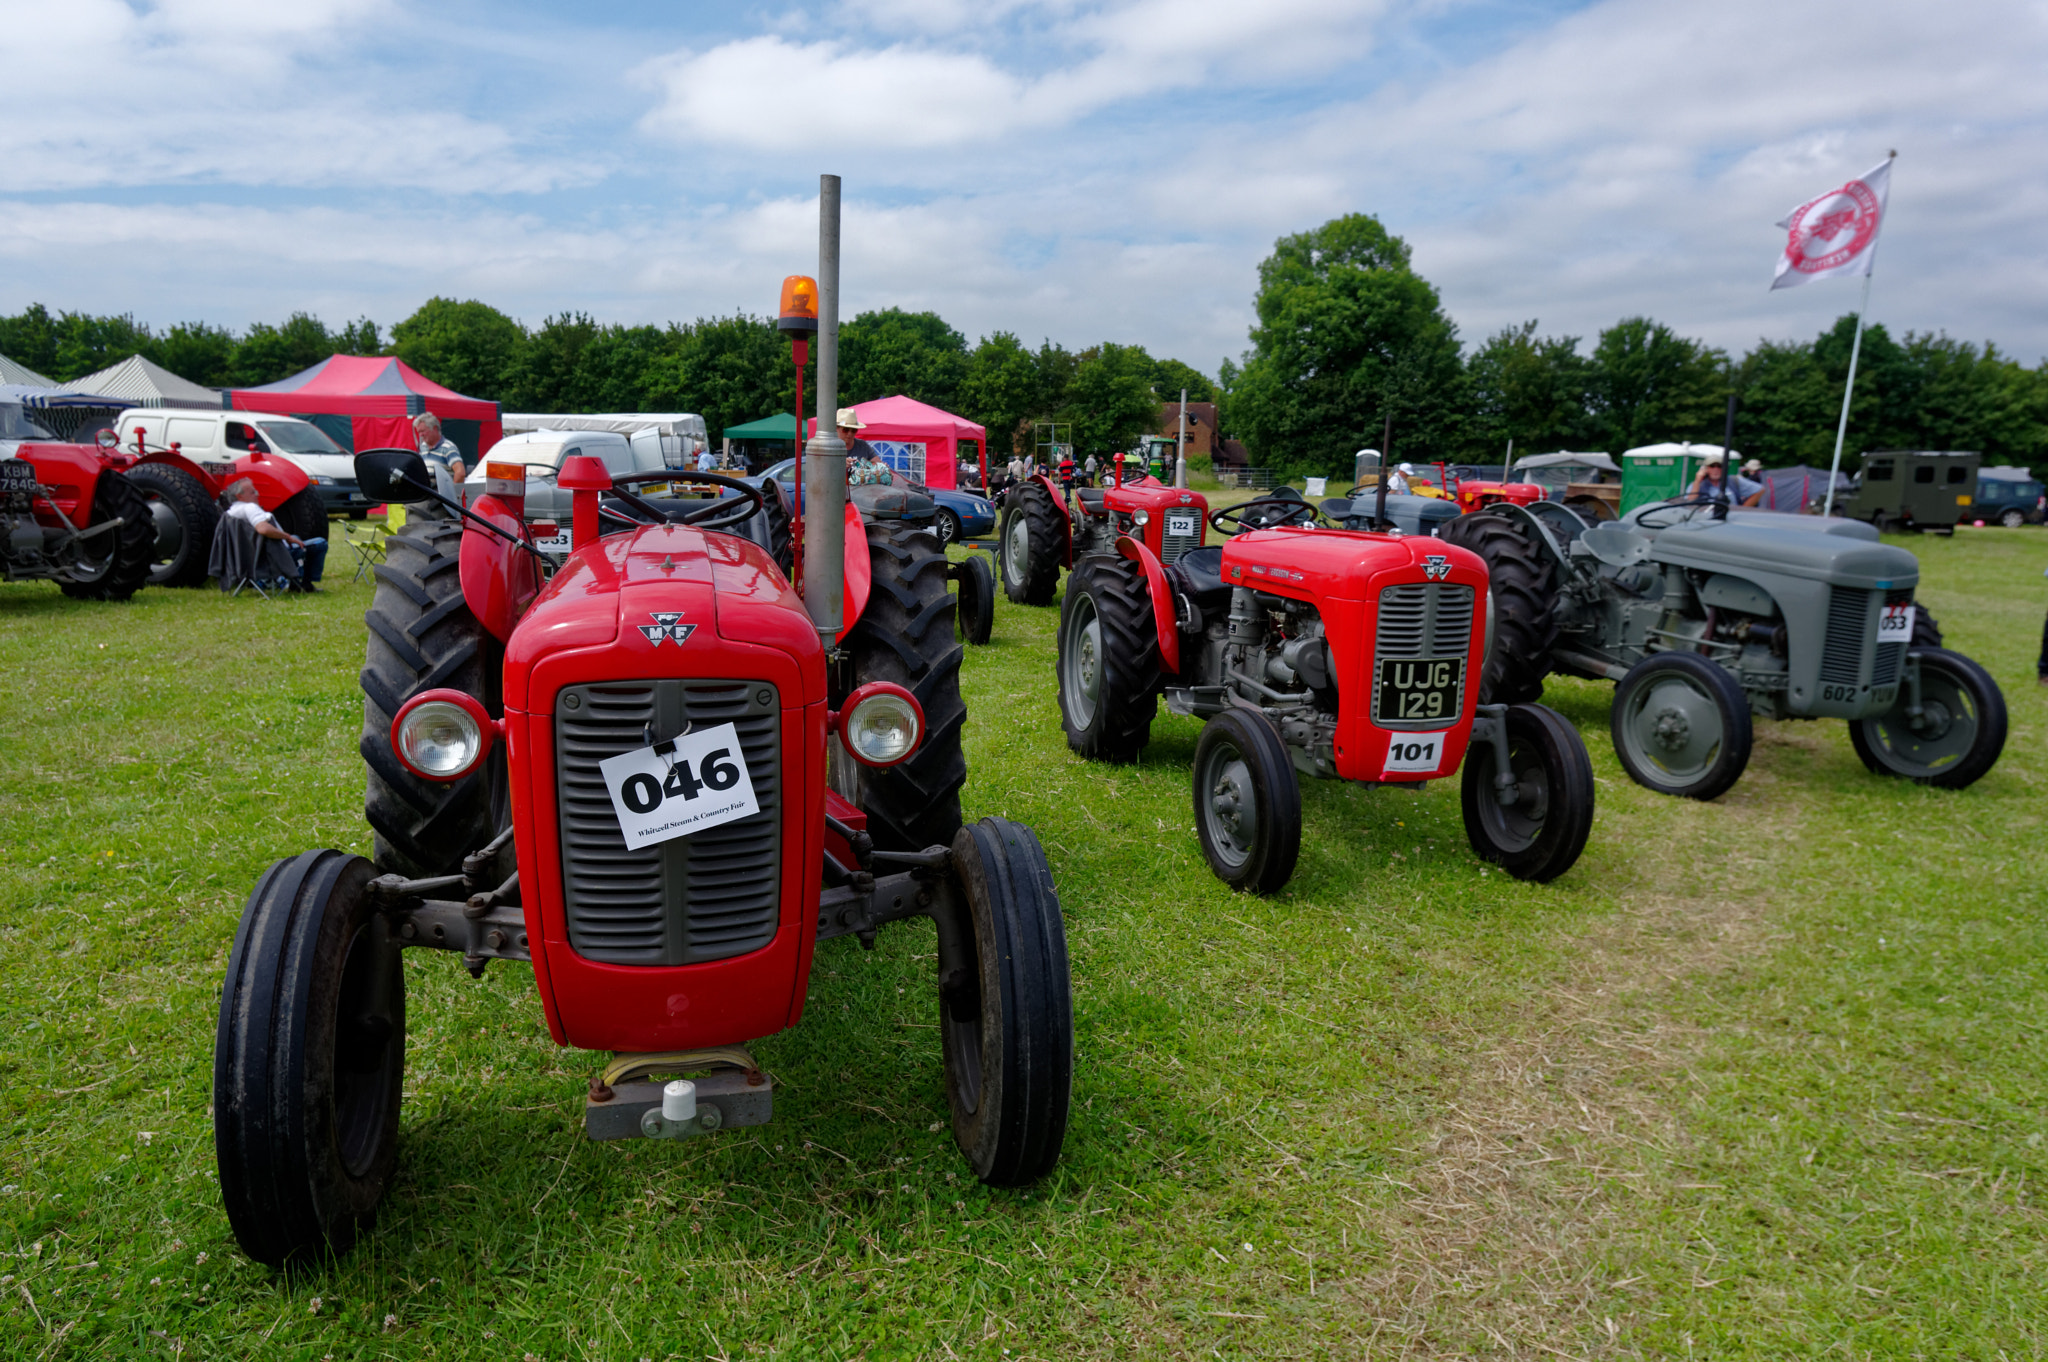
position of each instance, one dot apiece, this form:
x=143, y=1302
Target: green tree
x=1169, y=376
x=1527, y=388
x=913, y=353
x=1348, y=335
x=468, y=346
x=1650, y=384
x=545, y=376
x=199, y=352
x=1110, y=399
x=1000, y=392
x=30, y=339
x=618, y=367
x=729, y=370
x=359, y=337
x=86, y=344
x=269, y=353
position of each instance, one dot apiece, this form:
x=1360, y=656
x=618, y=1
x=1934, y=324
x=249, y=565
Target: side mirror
x=107, y=440
x=398, y=475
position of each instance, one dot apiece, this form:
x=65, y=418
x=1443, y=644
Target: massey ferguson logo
x=1435, y=566
x=665, y=629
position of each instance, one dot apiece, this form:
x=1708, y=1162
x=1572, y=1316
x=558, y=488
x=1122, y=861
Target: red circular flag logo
x=1834, y=229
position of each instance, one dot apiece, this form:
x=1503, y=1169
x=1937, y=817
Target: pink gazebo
x=934, y=441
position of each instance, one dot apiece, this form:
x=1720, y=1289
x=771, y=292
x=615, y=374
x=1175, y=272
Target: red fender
x=498, y=580
x=1164, y=619
x=71, y=472
x=213, y=483
x=277, y=478
x=859, y=572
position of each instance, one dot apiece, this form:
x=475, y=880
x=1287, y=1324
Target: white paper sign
x=702, y=783
x=558, y=542
x=1416, y=752
x=1318, y=486
x=1180, y=522
x=1895, y=624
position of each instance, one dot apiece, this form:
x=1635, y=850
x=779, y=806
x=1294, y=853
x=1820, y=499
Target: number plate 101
x=1417, y=690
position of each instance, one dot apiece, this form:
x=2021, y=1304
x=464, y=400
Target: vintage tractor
x=1324, y=652
x=69, y=515
x=1047, y=527
x=663, y=779
x=1704, y=616
x=183, y=499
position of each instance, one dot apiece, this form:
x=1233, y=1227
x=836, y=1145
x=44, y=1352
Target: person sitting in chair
x=309, y=555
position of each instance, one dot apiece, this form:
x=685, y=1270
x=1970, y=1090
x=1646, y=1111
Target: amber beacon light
x=799, y=304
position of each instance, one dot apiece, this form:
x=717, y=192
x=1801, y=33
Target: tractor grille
x=1841, y=654
x=703, y=897
x=1172, y=546
x=1424, y=619
x=1891, y=657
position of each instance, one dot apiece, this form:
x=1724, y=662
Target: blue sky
x=1111, y=170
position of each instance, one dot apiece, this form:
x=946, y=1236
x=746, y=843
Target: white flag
x=1836, y=233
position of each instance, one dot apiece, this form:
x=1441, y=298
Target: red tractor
x=183, y=499
x=663, y=779
x=1322, y=652
x=1047, y=527
x=69, y=515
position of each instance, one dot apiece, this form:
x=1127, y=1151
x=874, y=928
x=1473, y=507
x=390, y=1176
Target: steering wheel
x=717, y=514
x=1266, y=513
x=1677, y=511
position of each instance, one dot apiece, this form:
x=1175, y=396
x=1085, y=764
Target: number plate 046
x=1417, y=689
x=698, y=784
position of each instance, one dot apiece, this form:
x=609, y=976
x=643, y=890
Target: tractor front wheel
x=185, y=520
x=1958, y=734
x=1032, y=531
x=1006, y=1017
x=1108, y=660
x=1535, y=828
x=1247, y=802
x=308, y=1062
x=977, y=598
x=114, y=564
x=1681, y=726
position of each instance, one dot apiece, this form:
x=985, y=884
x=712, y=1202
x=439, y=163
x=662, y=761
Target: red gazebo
x=940, y=434
x=368, y=402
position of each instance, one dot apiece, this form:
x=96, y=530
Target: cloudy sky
x=1069, y=169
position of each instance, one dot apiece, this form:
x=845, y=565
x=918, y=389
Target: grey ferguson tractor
x=1703, y=617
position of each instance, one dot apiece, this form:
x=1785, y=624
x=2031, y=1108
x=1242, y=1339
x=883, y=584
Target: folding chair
x=241, y=557
x=366, y=540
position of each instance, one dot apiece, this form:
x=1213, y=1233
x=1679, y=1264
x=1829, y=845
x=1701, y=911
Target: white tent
x=1563, y=459
x=139, y=383
x=20, y=375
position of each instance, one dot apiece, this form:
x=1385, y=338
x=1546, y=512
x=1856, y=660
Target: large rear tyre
x=1034, y=528
x=1007, y=1028
x=1681, y=726
x=1247, y=802
x=185, y=519
x=112, y=566
x=303, y=513
x=1523, y=583
x=308, y=1062
x=1926, y=629
x=906, y=635
x=977, y=618
x=422, y=636
x=1108, y=660
x=1958, y=734
x=1538, y=830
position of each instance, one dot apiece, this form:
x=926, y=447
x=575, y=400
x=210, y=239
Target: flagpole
x=1842, y=429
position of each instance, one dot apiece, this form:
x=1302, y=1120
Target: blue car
x=962, y=515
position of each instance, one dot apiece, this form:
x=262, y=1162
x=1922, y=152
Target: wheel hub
x=1670, y=730
x=1017, y=549
x=1934, y=721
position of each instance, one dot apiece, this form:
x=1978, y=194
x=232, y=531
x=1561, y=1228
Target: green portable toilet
x=1661, y=472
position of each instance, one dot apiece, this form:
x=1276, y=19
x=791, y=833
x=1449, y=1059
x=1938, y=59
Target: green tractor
x=1704, y=616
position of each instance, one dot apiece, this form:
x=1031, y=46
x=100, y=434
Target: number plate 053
x=668, y=791
x=1417, y=689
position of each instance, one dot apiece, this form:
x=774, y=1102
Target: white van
x=218, y=436
x=542, y=451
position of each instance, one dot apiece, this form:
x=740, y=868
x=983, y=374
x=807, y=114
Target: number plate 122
x=1417, y=689
x=699, y=783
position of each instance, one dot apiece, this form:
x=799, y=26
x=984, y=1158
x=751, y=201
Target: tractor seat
x=1091, y=499
x=1198, y=575
x=879, y=501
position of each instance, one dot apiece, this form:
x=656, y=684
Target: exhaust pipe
x=824, y=453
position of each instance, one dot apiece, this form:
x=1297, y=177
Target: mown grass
x=1262, y=1086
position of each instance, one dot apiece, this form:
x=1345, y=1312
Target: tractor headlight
x=881, y=724
x=442, y=734
x=1141, y=516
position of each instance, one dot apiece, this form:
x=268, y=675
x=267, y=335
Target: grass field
x=1759, y=1078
